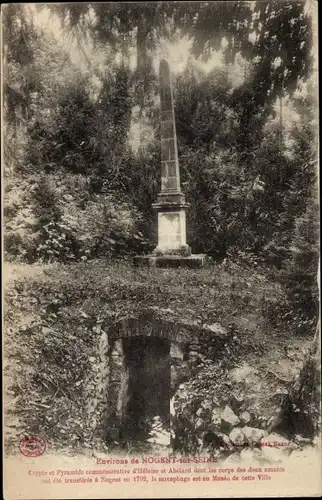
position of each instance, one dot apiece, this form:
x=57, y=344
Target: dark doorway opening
x=147, y=362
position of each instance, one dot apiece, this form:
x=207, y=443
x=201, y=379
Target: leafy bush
x=58, y=243
x=225, y=206
x=86, y=226
x=20, y=221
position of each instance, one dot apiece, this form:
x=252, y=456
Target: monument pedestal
x=171, y=209
x=172, y=249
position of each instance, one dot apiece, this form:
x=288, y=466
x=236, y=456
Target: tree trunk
x=281, y=121
x=141, y=74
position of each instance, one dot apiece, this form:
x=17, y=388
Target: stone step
x=193, y=261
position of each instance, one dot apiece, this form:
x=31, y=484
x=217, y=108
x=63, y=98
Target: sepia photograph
x=161, y=253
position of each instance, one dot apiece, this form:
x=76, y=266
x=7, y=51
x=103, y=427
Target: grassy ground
x=54, y=315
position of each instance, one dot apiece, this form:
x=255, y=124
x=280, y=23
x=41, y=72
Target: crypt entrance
x=146, y=360
x=144, y=356
x=146, y=386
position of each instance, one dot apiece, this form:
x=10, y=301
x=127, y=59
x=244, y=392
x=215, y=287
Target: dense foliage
x=77, y=189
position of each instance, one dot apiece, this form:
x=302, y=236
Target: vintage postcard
x=161, y=250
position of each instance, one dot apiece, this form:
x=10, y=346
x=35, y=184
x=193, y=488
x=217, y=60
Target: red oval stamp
x=32, y=446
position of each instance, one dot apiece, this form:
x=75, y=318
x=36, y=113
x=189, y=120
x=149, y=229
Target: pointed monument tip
x=164, y=66
x=164, y=62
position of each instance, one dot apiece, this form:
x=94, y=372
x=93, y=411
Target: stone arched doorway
x=139, y=389
x=148, y=357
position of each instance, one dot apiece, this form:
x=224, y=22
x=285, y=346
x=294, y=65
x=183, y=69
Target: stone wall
x=95, y=393
x=117, y=389
x=107, y=388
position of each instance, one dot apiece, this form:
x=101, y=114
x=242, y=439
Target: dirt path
x=11, y=272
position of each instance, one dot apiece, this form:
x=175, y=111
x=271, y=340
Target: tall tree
x=276, y=36
x=19, y=37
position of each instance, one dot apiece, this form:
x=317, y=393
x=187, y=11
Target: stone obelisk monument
x=172, y=249
x=171, y=206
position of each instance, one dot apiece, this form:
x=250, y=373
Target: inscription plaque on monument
x=169, y=229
